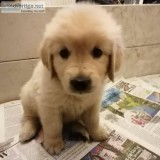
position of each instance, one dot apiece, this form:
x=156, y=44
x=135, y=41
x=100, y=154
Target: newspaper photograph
x=155, y=96
x=134, y=109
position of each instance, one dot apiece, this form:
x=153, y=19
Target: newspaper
x=120, y=148
x=153, y=80
x=11, y=115
x=130, y=110
x=135, y=111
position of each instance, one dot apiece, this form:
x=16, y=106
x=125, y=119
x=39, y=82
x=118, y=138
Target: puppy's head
x=82, y=45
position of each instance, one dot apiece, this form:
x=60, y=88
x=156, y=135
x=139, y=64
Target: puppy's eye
x=64, y=53
x=96, y=52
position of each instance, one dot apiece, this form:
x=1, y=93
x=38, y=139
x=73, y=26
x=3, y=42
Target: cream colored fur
x=47, y=97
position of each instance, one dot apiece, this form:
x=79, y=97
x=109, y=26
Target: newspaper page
x=10, y=123
x=118, y=147
x=153, y=80
x=139, y=116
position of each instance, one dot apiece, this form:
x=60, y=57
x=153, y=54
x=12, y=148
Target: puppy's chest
x=72, y=109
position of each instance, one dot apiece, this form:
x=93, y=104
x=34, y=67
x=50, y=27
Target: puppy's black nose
x=80, y=83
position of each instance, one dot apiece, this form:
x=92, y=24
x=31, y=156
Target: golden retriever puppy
x=81, y=47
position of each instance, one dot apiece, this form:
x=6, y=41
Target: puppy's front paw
x=53, y=146
x=99, y=134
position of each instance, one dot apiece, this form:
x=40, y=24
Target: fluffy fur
x=48, y=97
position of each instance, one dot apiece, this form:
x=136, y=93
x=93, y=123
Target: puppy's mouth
x=81, y=85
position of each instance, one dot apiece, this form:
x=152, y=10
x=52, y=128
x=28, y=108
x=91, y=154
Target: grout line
x=147, y=45
x=18, y=60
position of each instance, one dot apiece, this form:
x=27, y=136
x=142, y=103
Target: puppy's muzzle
x=80, y=84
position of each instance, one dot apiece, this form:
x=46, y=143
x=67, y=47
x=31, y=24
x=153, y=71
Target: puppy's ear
x=47, y=57
x=115, y=59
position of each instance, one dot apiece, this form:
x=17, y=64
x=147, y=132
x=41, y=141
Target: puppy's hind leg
x=31, y=122
x=30, y=128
